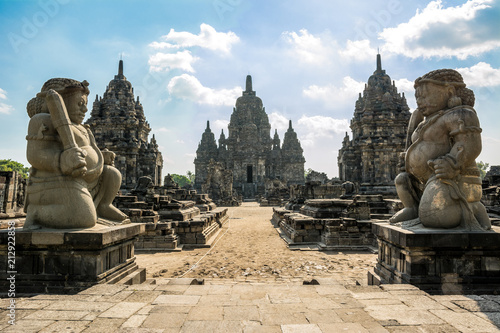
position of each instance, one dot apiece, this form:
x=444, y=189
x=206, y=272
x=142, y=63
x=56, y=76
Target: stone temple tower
x=378, y=127
x=249, y=151
x=118, y=123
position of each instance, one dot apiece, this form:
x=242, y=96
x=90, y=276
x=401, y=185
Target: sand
x=249, y=248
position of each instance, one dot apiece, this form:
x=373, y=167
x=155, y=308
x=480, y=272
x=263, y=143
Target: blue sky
x=187, y=62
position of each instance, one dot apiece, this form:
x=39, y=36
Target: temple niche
x=118, y=123
x=378, y=127
x=249, y=151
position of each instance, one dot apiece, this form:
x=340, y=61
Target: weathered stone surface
x=119, y=124
x=249, y=152
x=443, y=262
x=332, y=223
x=72, y=182
x=381, y=115
x=66, y=261
x=440, y=184
x=181, y=217
x=12, y=192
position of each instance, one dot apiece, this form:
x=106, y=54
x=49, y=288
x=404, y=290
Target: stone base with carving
x=70, y=260
x=438, y=261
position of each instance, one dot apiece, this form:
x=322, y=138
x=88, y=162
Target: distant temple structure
x=249, y=151
x=378, y=127
x=118, y=123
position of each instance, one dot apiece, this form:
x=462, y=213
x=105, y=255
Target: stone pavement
x=174, y=305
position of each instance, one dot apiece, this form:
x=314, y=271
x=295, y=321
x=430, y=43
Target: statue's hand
x=402, y=162
x=109, y=157
x=52, y=92
x=73, y=163
x=443, y=168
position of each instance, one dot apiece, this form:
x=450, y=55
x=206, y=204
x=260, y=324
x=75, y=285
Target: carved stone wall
x=378, y=127
x=12, y=193
x=249, y=151
x=118, y=124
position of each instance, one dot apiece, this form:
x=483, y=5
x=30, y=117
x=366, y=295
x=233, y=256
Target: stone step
x=137, y=277
x=122, y=273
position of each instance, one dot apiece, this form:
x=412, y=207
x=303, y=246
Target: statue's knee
x=402, y=179
x=439, y=217
x=111, y=174
x=438, y=209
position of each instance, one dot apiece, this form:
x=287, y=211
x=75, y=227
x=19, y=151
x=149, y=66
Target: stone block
x=439, y=261
x=491, y=264
x=64, y=260
x=47, y=238
x=352, y=229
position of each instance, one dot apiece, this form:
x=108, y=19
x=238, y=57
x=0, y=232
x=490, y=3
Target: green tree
x=308, y=171
x=9, y=165
x=483, y=168
x=191, y=176
x=181, y=180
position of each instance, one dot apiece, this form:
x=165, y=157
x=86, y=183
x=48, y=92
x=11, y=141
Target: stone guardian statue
x=72, y=183
x=440, y=184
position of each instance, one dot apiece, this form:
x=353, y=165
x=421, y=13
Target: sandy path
x=249, y=248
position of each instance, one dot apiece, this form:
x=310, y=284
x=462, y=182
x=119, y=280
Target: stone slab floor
x=253, y=305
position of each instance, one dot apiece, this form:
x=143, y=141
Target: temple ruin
x=378, y=127
x=249, y=151
x=118, y=123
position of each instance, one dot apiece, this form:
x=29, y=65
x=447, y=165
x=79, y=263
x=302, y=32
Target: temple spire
x=249, y=83
x=379, y=63
x=290, y=125
x=208, y=125
x=120, y=67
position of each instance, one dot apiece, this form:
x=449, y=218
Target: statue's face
x=431, y=98
x=76, y=104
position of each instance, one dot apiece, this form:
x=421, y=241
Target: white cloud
x=348, y=91
x=443, y=32
x=480, y=75
x=188, y=87
x=405, y=85
x=167, y=61
x=278, y=121
x=161, y=130
x=358, y=50
x=3, y=94
x=219, y=125
x=319, y=128
x=307, y=47
x=5, y=108
x=180, y=141
x=207, y=38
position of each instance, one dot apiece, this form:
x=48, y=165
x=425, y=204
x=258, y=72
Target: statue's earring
x=454, y=101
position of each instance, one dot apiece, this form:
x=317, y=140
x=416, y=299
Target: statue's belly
x=92, y=160
x=419, y=154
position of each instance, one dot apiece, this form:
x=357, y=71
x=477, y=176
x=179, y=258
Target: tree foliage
x=191, y=176
x=307, y=172
x=9, y=165
x=182, y=180
x=483, y=168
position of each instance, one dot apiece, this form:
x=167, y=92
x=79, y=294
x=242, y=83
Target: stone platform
x=333, y=224
x=200, y=230
x=438, y=261
x=158, y=236
x=177, y=210
x=69, y=260
x=177, y=305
